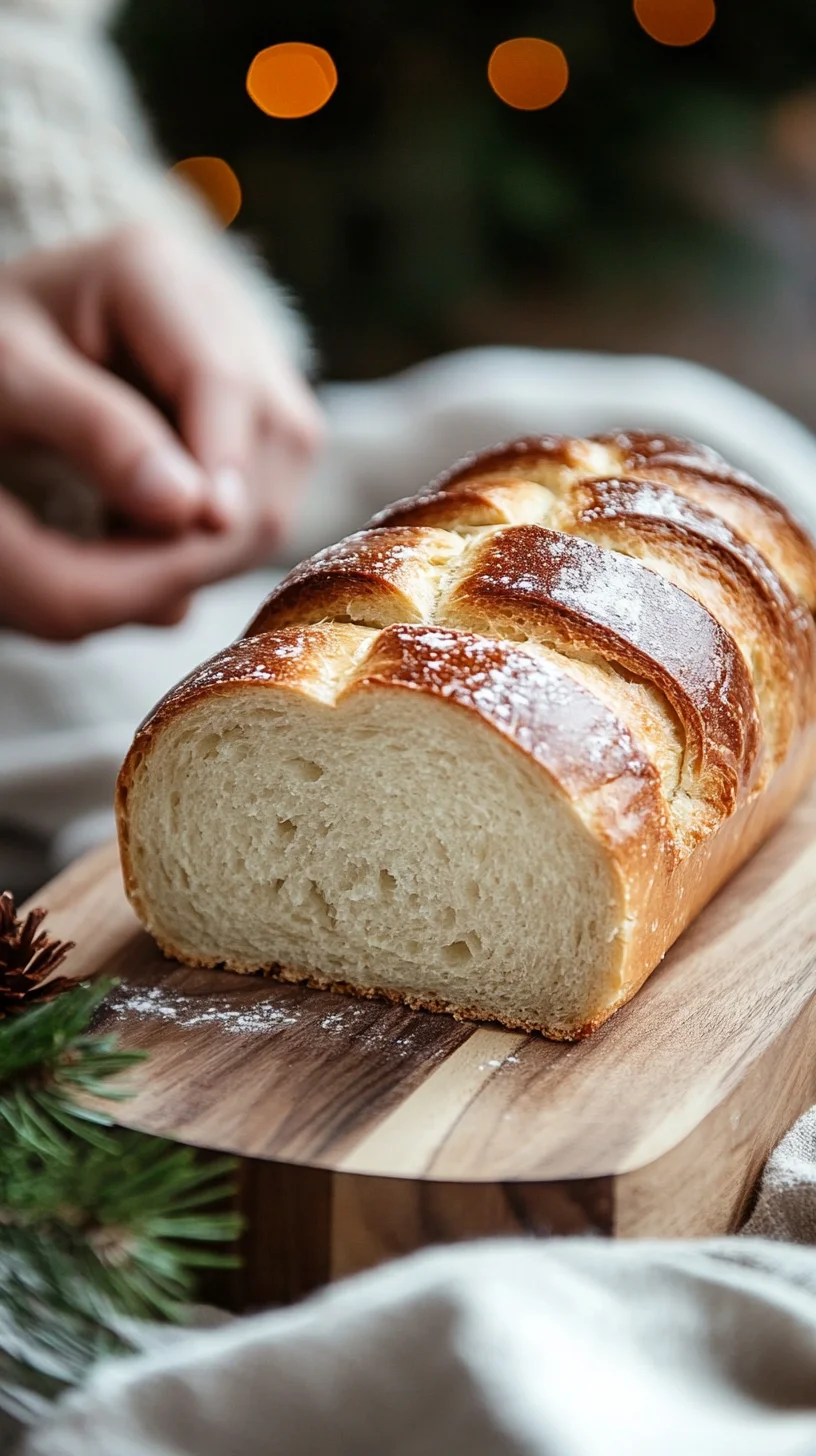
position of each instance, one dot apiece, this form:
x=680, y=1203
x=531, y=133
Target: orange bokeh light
x=676, y=22
x=528, y=73
x=291, y=79
x=214, y=180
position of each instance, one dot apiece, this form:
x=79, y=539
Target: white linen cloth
x=786, y=1205
x=572, y=1348
x=67, y=713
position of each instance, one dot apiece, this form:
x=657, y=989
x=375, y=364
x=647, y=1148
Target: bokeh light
x=676, y=22
x=214, y=180
x=528, y=73
x=291, y=79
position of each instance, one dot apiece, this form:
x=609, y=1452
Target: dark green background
x=416, y=212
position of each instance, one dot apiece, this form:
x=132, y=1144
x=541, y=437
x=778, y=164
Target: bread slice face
x=491, y=754
x=422, y=831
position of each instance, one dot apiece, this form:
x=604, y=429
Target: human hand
x=214, y=489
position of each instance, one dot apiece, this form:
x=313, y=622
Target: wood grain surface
x=314, y=1080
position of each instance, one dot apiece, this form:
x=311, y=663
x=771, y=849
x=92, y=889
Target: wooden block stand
x=365, y=1131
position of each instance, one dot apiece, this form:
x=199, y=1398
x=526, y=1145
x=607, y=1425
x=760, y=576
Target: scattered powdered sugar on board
x=496, y=1062
x=259, y=1018
x=338, y=1020
x=160, y=1004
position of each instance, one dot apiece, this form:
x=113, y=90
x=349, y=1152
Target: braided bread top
x=654, y=580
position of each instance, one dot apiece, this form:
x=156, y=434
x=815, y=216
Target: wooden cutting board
x=366, y=1130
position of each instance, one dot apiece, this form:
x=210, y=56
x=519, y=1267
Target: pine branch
x=98, y=1225
x=101, y=1237
x=47, y=1059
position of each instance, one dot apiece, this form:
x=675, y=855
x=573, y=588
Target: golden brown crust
x=579, y=596
x=645, y=507
x=640, y=450
x=311, y=660
x=498, y=502
x=378, y=576
x=716, y=566
x=686, y=541
x=701, y=474
x=690, y=469
x=533, y=457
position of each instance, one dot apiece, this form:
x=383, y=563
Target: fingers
x=54, y=587
x=195, y=335
x=50, y=394
x=170, y=616
x=247, y=424
x=61, y=589
x=217, y=419
x=254, y=448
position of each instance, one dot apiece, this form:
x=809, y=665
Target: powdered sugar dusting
x=615, y=500
x=529, y=698
x=367, y=1024
x=384, y=551
x=160, y=1003
x=494, y=1063
x=672, y=634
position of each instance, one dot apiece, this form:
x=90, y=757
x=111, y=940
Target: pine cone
x=27, y=956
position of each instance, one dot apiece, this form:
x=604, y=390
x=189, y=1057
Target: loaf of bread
x=491, y=754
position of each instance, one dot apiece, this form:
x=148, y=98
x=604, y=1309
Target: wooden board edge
x=704, y=1186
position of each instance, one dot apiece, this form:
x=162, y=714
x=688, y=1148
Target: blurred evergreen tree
x=416, y=191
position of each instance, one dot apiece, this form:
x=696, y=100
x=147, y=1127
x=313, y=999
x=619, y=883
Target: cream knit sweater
x=75, y=155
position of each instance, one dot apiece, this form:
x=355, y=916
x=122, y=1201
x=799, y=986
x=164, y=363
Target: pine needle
x=97, y=1224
